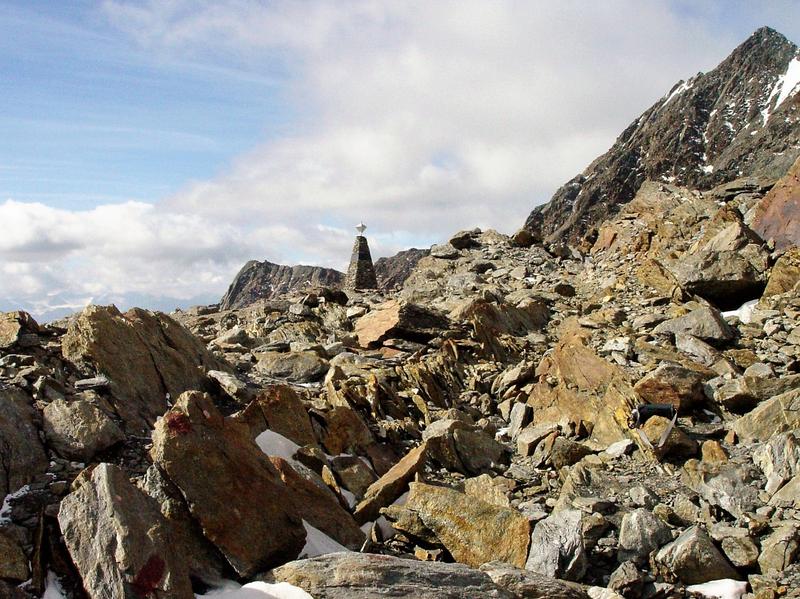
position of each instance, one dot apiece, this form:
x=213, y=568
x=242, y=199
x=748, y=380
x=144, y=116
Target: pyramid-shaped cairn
x=361, y=274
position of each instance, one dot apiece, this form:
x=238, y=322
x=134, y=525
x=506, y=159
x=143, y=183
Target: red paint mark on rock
x=178, y=423
x=146, y=581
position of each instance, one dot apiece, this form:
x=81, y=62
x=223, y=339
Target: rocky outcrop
x=398, y=319
x=734, y=121
x=146, y=356
x=265, y=280
x=393, y=271
x=22, y=455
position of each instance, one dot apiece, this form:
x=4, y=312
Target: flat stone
x=704, y=322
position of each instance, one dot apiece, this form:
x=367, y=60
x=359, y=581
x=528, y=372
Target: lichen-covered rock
x=77, y=430
x=473, y=531
x=145, y=355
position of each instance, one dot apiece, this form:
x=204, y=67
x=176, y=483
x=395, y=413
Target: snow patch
x=725, y=588
x=275, y=444
x=784, y=86
x=53, y=588
x=318, y=543
x=684, y=85
x=256, y=590
x=744, y=312
x=708, y=169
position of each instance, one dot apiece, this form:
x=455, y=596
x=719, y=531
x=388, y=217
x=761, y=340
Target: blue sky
x=152, y=147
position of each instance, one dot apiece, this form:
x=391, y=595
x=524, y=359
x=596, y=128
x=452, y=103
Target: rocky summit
x=740, y=120
x=511, y=417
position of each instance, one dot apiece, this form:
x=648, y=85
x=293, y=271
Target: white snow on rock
x=274, y=444
x=784, y=86
x=257, y=590
x=725, y=588
x=53, y=589
x=5, y=510
x=679, y=90
x=744, y=313
x=318, y=543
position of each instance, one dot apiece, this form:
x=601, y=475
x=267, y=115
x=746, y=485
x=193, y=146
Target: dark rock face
x=394, y=270
x=265, y=280
x=361, y=274
x=713, y=128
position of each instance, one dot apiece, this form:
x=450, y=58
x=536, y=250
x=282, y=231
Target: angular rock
x=119, y=540
x=13, y=562
x=145, y=355
x=780, y=548
x=785, y=274
x=400, y=320
x=693, y=558
x=391, y=485
x=777, y=215
x=16, y=328
x=490, y=489
x=741, y=551
x=280, y=409
x=524, y=583
x=473, y=531
x=704, y=322
x=295, y=366
x=673, y=384
x=318, y=506
x=77, y=430
x=226, y=481
x=640, y=534
x=366, y=576
x=779, y=459
x=776, y=415
x=22, y=455
x=232, y=386
x=730, y=486
x=346, y=432
x=557, y=547
x=353, y=474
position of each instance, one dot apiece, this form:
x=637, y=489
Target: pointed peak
x=765, y=36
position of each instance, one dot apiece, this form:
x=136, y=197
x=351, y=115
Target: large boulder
x=730, y=486
x=295, y=367
x=77, y=430
x=473, y=531
x=230, y=486
x=576, y=385
x=280, y=409
x=641, y=533
x=557, y=547
x=146, y=356
x=777, y=415
x=119, y=541
x=401, y=320
x=674, y=384
x=704, y=322
x=693, y=558
x=365, y=576
x=22, y=455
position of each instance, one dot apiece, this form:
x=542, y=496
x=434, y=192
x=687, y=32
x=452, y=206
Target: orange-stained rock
x=777, y=215
x=391, y=485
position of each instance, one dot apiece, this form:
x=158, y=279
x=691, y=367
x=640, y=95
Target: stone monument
x=361, y=274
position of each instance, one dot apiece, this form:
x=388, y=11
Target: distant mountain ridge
x=740, y=119
x=265, y=280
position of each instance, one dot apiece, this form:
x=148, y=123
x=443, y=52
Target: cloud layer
x=420, y=118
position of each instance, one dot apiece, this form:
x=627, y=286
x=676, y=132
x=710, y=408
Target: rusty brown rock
x=395, y=319
x=473, y=531
x=777, y=215
x=318, y=506
x=280, y=409
x=785, y=274
x=391, y=485
x=230, y=486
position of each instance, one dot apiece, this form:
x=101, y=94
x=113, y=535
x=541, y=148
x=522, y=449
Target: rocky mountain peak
x=738, y=120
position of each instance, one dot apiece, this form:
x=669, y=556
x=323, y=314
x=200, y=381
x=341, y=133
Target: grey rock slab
x=693, y=558
x=119, y=541
x=557, y=548
x=367, y=576
x=641, y=533
x=704, y=322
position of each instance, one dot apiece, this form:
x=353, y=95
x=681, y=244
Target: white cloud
x=420, y=118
